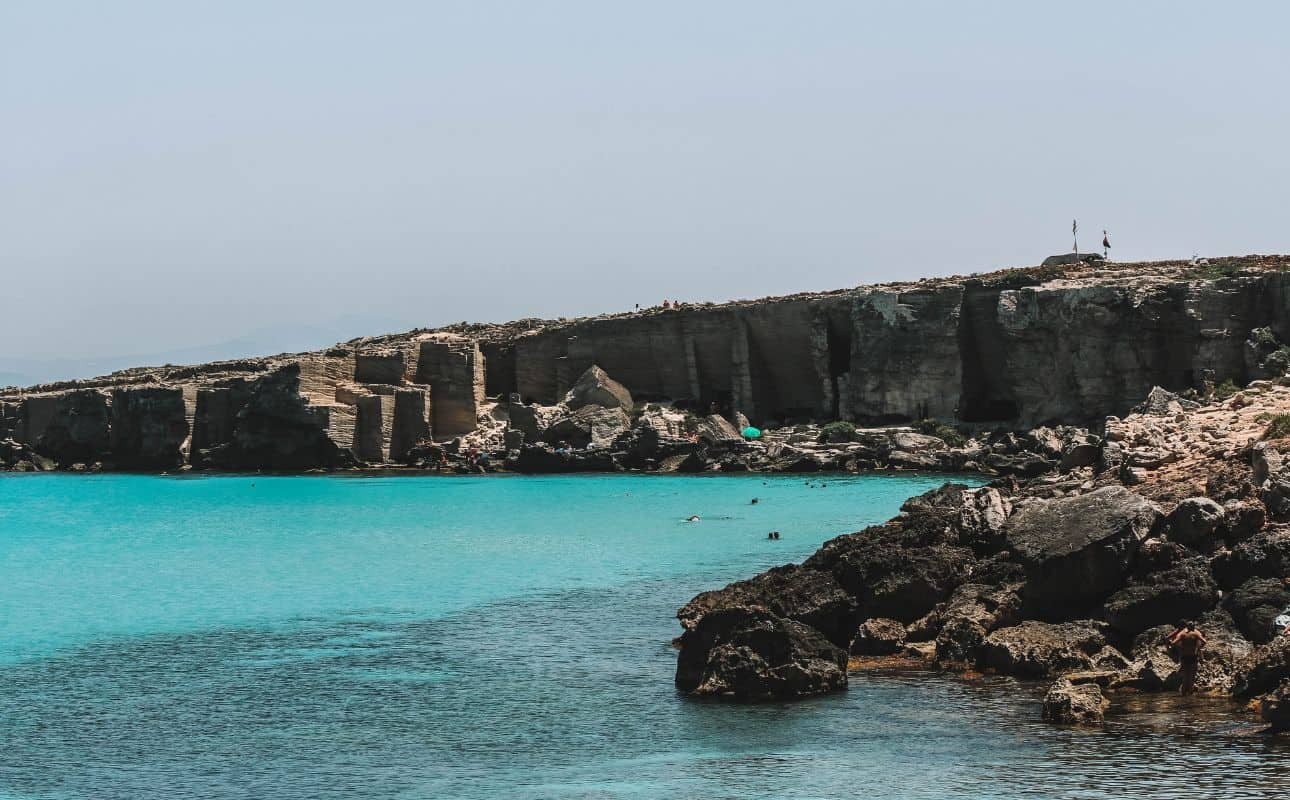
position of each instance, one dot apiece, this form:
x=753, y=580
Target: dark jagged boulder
x=1157, y=555
x=1070, y=703
x=1243, y=520
x=1076, y=550
x=1264, y=555
x=977, y=515
x=1274, y=707
x=1264, y=668
x=900, y=582
x=1079, y=454
x=1041, y=650
x=542, y=460
x=806, y=595
x=746, y=653
x=1198, y=523
x=1023, y=465
x=878, y=637
x=596, y=388
x=1255, y=604
x=1183, y=591
x=971, y=613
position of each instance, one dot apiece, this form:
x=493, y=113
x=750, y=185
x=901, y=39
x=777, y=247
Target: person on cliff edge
x=1188, y=642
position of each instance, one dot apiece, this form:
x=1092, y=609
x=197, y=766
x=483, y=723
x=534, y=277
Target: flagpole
x=1075, y=233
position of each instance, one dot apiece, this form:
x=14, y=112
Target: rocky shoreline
x=1076, y=575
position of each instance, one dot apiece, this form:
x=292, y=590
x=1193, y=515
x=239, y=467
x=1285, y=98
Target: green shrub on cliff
x=1225, y=389
x=836, y=432
x=949, y=434
x=1278, y=427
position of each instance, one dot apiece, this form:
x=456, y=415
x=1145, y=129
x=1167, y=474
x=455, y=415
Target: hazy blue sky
x=176, y=174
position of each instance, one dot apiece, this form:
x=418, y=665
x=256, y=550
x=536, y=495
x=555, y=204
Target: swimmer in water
x=692, y=518
x=753, y=502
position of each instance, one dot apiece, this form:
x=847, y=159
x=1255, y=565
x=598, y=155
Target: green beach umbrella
x=752, y=433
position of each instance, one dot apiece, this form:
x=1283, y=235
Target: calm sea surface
x=327, y=637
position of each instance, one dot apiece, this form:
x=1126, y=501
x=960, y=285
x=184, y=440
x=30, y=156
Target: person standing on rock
x=1188, y=642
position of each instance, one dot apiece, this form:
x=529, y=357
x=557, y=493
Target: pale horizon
x=177, y=178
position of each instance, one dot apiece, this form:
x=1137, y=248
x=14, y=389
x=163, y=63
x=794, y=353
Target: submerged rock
x=1069, y=703
x=747, y=653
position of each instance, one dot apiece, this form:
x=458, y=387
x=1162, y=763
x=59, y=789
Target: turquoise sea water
x=500, y=637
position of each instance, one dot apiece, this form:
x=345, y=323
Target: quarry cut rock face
x=1063, y=344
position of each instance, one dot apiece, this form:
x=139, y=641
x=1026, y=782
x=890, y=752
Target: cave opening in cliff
x=983, y=394
x=839, y=345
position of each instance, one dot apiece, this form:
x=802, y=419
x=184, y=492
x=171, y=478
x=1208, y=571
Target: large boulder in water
x=1069, y=703
x=1041, y=650
x=1076, y=550
x=595, y=388
x=806, y=595
x=747, y=653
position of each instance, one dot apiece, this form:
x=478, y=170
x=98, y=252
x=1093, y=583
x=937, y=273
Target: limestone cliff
x=1012, y=349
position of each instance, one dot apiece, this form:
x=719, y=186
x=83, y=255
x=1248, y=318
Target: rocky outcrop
x=1183, y=591
x=748, y=653
x=1077, y=550
x=1256, y=604
x=1043, y=650
x=878, y=637
x=806, y=595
